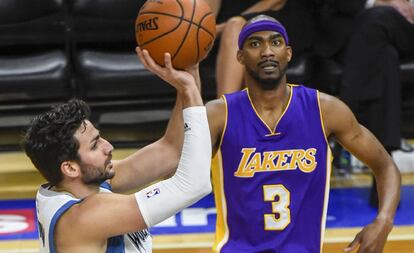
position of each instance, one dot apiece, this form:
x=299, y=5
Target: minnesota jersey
x=271, y=185
x=50, y=205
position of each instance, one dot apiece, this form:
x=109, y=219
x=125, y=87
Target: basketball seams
x=172, y=30
x=183, y=42
x=161, y=35
x=198, y=32
x=182, y=19
x=188, y=29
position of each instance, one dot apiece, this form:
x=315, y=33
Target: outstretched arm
x=159, y=159
x=261, y=6
x=342, y=124
x=405, y=8
x=101, y=216
x=215, y=6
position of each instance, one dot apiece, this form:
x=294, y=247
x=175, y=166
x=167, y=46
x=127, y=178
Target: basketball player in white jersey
x=78, y=209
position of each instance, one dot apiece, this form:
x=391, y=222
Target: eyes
x=94, y=145
x=255, y=43
x=95, y=142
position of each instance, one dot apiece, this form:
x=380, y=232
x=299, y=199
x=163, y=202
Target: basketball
x=184, y=28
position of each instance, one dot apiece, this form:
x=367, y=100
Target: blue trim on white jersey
x=55, y=218
x=116, y=244
x=106, y=185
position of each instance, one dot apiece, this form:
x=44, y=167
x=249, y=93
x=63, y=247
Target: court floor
x=192, y=230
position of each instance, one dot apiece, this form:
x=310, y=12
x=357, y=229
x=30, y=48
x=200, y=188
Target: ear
x=240, y=57
x=70, y=169
x=289, y=53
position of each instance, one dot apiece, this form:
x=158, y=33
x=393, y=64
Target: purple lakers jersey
x=271, y=185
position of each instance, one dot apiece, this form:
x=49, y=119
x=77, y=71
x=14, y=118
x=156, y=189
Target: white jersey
x=50, y=205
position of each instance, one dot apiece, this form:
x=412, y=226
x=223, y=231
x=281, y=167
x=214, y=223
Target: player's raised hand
x=195, y=72
x=185, y=81
x=372, y=238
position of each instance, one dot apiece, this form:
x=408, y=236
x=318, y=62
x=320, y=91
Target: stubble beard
x=95, y=175
x=267, y=83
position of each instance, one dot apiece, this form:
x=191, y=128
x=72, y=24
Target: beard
x=96, y=175
x=267, y=83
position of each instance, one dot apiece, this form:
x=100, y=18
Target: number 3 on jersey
x=279, y=197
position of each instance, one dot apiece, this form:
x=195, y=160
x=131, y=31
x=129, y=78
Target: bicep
x=365, y=146
x=216, y=113
x=344, y=127
x=145, y=166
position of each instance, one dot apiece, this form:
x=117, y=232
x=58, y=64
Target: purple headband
x=262, y=25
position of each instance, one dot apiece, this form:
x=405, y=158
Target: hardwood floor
x=19, y=179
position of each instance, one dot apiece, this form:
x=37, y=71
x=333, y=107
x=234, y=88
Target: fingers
x=148, y=62
x=141, y=56
x=168, y=62
x=354, y=243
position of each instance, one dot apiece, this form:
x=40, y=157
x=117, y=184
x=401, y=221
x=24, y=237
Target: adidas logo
x=186, y=127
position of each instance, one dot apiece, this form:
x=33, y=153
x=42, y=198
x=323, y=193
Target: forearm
x=147, y=164
x=215, y=6
x=192, y=178
x=388, y=185
x=174, y=133
x=265, y=5
x=185, y=98
x=191, y=97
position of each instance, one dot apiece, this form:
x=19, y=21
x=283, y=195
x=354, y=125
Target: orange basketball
x=184, y=28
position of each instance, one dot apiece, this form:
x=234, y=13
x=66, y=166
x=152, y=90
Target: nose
x=108, y=148
x=267, y=50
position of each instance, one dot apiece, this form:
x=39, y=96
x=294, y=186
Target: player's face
x=95, y=153
x=265, y=57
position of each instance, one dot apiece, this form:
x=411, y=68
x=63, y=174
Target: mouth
x=269, y=65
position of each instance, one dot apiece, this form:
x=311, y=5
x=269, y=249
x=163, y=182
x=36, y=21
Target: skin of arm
x=86, y=226
x=95, y=219
x=260, y=6
x=265, y=5
x=341, y=123
x=215, y=6
x=402, y=6
x=216, y=114
x=159, y=159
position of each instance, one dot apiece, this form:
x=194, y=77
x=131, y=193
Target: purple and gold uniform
x=271, y=185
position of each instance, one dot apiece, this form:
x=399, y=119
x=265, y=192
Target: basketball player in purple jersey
x=272, y=160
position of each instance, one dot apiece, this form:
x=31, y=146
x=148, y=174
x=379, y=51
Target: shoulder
x=327, y=100
x=331, y=104
x=216, y=112
x=99, y=212
x=336, y=114
x=216, y=109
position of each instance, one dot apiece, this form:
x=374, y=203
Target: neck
x=268, y=99
x=77, y=189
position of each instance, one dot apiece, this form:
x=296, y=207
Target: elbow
x=201, y=189
x=205, y=184
x=206, y=189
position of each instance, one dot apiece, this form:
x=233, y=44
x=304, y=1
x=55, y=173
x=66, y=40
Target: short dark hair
x=50, y=140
